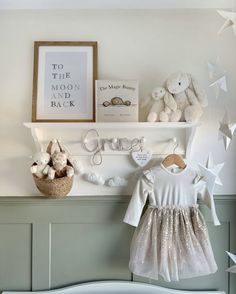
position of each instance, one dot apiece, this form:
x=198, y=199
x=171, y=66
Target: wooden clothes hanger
x=173, y=158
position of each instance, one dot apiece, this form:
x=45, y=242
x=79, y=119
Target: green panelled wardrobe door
x=53, y=243
x=15, y=256
x=85, y=252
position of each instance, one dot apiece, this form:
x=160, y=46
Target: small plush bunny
x=164, y=107
x=40, y=166
x=189, y=97
x=60, y=168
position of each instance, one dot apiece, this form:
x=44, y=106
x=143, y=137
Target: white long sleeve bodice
x=164, y=188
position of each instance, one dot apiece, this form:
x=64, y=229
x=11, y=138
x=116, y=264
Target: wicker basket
x=58, y=187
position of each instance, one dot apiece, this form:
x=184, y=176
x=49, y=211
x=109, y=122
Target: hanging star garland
x=215, y=69
x=232, y=269
x=226, y=130
x=230, y=20
x=220, y=84
x=217, y=77
x=210, y=173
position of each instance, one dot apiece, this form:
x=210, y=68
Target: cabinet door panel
x=15, y=256
x=83, y=252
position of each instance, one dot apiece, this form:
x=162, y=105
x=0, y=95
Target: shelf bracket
x=37, y=135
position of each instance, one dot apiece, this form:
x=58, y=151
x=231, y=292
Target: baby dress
x=171, y=239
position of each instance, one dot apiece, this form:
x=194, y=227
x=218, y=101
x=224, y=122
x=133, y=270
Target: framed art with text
x=64, y=81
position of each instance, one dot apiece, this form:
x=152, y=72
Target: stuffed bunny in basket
x=190, y=98
x=40, y=166
x=60, y=167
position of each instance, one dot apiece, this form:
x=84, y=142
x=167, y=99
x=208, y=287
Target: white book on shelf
x=117, y=100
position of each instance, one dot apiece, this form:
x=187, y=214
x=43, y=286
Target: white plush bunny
x=163, y=108
x=60, y=167
x=190, y=98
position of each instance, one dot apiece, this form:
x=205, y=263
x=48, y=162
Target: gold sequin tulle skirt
x=172, y=242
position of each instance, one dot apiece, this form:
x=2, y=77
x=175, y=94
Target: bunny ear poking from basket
x=63, y=148
x=51, y=145
x=78, y=167
x=60, y=147
x=49, y=148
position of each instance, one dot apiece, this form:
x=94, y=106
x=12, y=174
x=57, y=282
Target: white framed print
x=117, y=100
x=64, y=81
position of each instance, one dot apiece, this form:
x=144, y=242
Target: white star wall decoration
x=226, y=130
x=217, y=76
x=215, y=69
x=230, y=20
x=232, y=269
x=220, y=84
x=210, y=173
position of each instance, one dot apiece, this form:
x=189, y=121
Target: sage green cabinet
x=48, y=244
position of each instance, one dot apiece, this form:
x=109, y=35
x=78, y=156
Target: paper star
x=217, y=76
x=210, y=174
x=220, y=85
x=232, y=269
x=230, y=20
x=226, y=130
x=215, y=69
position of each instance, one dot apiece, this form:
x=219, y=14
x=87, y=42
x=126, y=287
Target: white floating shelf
x=158, y=135
x=113, y=125
x=115, y=163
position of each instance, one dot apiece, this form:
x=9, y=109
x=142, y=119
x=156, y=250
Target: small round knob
x=143, y=140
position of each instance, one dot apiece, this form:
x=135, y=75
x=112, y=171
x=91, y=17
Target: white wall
x=144, y=45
